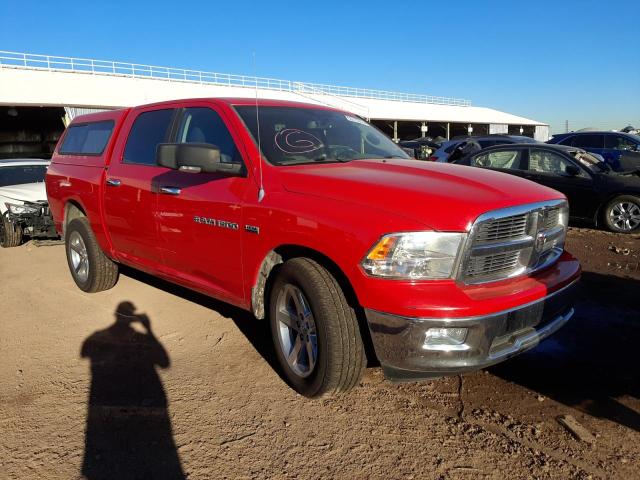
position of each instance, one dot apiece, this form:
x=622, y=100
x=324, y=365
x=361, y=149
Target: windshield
x=19, y=175
x=294, y=135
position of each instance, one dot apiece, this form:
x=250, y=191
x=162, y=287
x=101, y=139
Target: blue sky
x=551, y=61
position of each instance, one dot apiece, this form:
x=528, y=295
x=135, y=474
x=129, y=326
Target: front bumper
x=400, y=342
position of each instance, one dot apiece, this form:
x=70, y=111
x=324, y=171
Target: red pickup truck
x=311, y=218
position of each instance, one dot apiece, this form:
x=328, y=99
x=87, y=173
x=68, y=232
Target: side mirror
x=195, y=158
x=572, y=170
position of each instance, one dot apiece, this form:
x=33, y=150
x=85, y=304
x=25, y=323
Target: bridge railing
x=135, y=70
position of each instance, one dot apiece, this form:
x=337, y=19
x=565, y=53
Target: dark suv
x=621, y=151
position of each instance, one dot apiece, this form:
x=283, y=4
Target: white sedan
x=23, y=201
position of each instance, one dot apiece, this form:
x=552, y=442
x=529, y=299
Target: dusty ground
x=199, y=396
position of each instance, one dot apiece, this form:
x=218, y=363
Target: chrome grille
x=502, y=229
x=551, y=218
x=487, y=265
x=512, y=241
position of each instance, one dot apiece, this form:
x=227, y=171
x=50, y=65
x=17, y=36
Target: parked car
x=421, y=148
x=313, y=219
x=620, y=150
x=596, y=193
x=23, y=201
x=452, y=149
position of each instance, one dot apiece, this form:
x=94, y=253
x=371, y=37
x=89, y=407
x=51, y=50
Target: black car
x=595, y=192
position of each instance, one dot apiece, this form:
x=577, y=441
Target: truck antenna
x=261, y=191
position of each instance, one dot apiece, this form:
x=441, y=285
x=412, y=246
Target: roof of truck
x=238, y=101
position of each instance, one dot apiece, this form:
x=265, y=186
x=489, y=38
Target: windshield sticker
x=355, y=120
x=291, y=140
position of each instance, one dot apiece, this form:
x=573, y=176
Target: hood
x=441, y=196
x=28, y=192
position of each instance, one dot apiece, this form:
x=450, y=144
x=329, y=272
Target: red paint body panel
x=338, y=210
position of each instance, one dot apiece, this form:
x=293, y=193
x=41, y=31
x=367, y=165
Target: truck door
x=200, y=214
x=130, y=201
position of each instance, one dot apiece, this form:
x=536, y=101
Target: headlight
x=414, y=255
x=20, y=209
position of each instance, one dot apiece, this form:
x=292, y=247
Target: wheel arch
x=260, y=291
x=72, y=209
x=281, y=254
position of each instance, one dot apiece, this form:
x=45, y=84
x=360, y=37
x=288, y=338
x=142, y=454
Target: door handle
x=170, y=190
x=113, y=182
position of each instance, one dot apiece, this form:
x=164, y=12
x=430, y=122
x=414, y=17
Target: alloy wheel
x=79, y=256
x=297, y=334
x=625, y=216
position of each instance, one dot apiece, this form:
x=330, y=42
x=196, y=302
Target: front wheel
x=10, y=233
x=622, y=214
x=90, y=268
x=314, y=329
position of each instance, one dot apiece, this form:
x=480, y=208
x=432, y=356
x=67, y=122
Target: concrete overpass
x=29, y=80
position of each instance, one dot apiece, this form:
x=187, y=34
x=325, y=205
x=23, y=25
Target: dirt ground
x=183, y=386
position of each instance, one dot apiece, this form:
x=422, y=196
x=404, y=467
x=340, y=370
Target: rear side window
x=87, y=138
x=148, y=130
x=588, y=141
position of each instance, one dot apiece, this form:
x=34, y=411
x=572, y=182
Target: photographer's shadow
x=128, y=433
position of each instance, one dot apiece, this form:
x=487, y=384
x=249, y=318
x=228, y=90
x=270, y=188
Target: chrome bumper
x=404, y=353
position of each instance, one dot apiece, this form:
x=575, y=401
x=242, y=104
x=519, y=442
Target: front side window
x=588, y=141
x=292, y=135
x=87, y=138
x=148, y=130
x=502, y=159
x=541, y=161
x=19, y=175
x=203, y=125
x=617, y=142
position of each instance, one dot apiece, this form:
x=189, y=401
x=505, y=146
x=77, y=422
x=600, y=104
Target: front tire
x=10, y=234
x=622, y=214
x=90, y=268
x=315, y=331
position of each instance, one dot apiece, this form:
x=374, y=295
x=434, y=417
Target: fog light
x=445, y=339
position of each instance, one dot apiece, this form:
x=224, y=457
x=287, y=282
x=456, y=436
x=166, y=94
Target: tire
x=90, y=268
x=622, y=214
x=340, y=357
x=11, y=234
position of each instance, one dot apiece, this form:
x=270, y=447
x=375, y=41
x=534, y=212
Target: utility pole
x=566, y=126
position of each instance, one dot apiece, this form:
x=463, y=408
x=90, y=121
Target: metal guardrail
x=134, y=70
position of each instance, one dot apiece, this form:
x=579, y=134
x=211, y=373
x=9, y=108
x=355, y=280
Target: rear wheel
x=622, y=214
x=10, y=234
x=314, y=330
x=90, y=268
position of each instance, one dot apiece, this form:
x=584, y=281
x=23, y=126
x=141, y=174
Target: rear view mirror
x=195, y=158
x=572, y=170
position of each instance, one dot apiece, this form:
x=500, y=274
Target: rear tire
x=90, y=268
x=622, y=214
x=11, y=234
x=308, y=309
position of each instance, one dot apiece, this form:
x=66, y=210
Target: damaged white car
x=24, y=210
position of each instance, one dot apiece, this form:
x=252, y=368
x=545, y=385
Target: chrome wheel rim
x=79, y=257
x=625, y=216
x=296, y=329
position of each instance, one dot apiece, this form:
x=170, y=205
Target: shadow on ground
x=256, y=331
x=594, y=360
x=128, y=433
